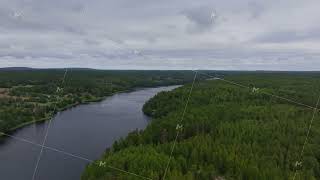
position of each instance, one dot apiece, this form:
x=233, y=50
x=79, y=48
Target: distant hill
x=34, y=69
x=15, y=69
x=225, y=72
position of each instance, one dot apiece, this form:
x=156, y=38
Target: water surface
x=86, y=131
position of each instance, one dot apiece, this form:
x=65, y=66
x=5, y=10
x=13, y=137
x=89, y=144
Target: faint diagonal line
x=234, y=83
x=45, y=147
x=40, y=154
x=178, y=131
x=307, y=136
x=64, y=76
x=262, y=92
x=315, y=110
x=70, y=154
x=289, y=100
x=133, y=174
x=19, y=139
x=47, y=132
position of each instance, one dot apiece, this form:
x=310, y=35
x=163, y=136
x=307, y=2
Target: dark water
x=86, y=131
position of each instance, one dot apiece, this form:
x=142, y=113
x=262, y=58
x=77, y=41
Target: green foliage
x=27, y=96
x=229, y=132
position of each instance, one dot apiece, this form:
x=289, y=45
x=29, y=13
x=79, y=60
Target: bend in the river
x=85, y=130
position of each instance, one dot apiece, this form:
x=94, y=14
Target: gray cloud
x=201, y=18
x=289, y=36
x=256, y=9
x=176, y=34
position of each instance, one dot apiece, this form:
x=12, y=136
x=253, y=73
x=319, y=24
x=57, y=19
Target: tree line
x=228, y=132
x=31, y=95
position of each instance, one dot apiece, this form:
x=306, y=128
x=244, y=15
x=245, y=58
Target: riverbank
x=85, y=130
x=98, y=99
x=58, y=111
x=30, y=96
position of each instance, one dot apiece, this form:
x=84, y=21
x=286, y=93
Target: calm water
x=86, y=131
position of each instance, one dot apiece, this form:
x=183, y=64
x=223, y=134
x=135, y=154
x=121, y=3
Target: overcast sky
x=161, y=34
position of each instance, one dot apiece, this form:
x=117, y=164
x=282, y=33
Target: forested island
x=228, y=131
x=33, y=95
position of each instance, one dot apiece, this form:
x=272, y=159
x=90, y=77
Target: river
x=85, y=131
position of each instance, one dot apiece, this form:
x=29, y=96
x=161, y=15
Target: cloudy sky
x=161, y=34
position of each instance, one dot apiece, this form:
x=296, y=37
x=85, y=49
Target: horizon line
x=115, y=69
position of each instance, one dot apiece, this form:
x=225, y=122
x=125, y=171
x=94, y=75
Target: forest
x=34, y=95
x=228, y=131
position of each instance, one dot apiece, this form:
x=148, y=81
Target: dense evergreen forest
x=30, y=95
x=228, y=132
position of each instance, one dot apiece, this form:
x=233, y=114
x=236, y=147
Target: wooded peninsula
x=228, y=131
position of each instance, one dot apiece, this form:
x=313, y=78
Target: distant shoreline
x=16, y=128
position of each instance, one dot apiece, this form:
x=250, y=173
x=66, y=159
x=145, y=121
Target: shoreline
x=98, y=99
